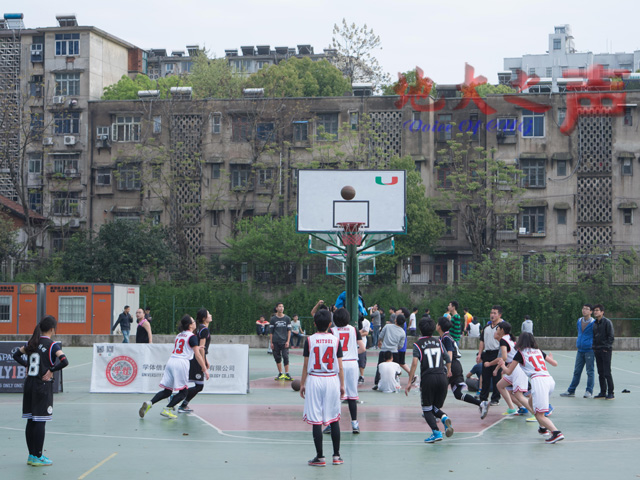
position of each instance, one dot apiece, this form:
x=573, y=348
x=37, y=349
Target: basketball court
x=262, y=435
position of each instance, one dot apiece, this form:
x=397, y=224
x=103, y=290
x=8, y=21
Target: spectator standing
x=124, y=320
x=467, y=317
x=147, y=314
x=412, y=322
x=602, y=349
x=279, y=339
x=527, y=325
x=456, y=321
x=362, y=357
x=296, y=332
x=584, y=355
x=375, y=325
x=143, y=331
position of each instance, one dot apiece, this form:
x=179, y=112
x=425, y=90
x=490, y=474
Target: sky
x=439, y=38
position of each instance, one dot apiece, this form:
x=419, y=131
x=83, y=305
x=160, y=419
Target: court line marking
x=97, y=466
x=76, y=366
x=612, y=367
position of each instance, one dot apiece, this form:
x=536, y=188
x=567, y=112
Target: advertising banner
x=13, y=375
x=138, y=368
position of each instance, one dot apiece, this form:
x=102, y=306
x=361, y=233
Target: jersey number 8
x=34, y=364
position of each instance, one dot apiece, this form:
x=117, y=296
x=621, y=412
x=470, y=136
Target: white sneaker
x=355, y=427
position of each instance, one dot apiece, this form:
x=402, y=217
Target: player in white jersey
x=322, y=385
x=352, y=344
x=176, y=373
x=533, y=363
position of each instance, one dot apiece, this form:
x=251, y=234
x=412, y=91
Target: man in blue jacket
x=585, y=355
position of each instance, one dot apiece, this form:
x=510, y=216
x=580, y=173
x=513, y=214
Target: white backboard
x=379, y=203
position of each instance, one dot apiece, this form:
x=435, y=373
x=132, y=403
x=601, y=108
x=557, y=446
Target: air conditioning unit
x=47, y=141
x=104, y=138
x=69, y=140
x=58, y=100
x=73, y=103
x=522, y=231
x=74, y=223
x=70, y=171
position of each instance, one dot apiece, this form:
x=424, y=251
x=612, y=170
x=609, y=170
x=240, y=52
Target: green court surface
x=261, y=435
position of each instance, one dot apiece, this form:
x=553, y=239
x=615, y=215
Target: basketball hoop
x=352, y=233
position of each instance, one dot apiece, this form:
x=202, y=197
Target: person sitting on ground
x=389, y=373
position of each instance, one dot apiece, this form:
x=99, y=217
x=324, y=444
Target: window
x=473, y=126
x=444, y=129
x=103, y=177
x=627, y=166
x=533, y=219
x=627, y=216
x=71, y=310
x=533, y=172
x=561, y=168
x=36, y=50
x=129, y=177
x=532, y=71
x=444, y=172
x=353, y=120
x=533, y=267
x=157, y=124
x=562, y=114
x=415, y=265
x=507, y=126
x=156, y=218
x=240, y=175
x=557, y=44
x=67, y=43
x=260, y=64
x=216, y=123
x=241, y=129
x=126, y=129
x=506, y=222
x=300, y=131
x=327, y=126
x=36, y=126
x=169, y=67
x=264, y=177
x=447, y=219
x=133, y=217
x=628, y=117
x=264, y=131
x=5, y=309
x=215, y=171
x=66, y=123
x=549, y=72
x=57, y=241
x=532, y=124
x=215, y=221
x=66, y=164
x=35, y=200
x=65, y=203
x=564, y=70
x=67, y=84
x=561, y=217
x=102, y=133
x=36, y=86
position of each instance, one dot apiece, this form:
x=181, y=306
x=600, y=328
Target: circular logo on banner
x=121, y=371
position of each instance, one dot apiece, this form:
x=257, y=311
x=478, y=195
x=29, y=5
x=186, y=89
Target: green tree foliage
x=121, y=252
x=300, y=77
x=354, y=47
x=8, y=238
x=478, y=188
x=213, y=78
x=268, y=242
x=488, y=89
x=127, y=89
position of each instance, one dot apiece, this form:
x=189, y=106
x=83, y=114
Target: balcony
x=506, y=235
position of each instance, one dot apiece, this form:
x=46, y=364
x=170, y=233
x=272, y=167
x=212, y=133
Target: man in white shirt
x=389, y=373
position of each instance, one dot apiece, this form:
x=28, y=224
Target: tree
x=353, y=56
x=127, y=89
x=213, y=78
x=488, y=89
x=479, y=188
x=300, y=77
x=8, y=239
x=122, y=252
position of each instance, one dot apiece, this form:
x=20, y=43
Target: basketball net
x=352, y=233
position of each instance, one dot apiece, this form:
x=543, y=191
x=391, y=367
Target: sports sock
x=317, y=439
x=353, y=409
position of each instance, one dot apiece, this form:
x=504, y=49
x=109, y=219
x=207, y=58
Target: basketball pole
x=351, y=280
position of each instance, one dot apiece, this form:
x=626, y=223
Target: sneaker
x=543, y=431
x=375, y=387
x=168, y=412
x=448, y=429
x=146, y=406
x=317, y=462
x=185, y=409
x=555, y=437
x=484, y=409
x=547, y=414
x=435, y=437
x=414, y=379
x=588, y=394
x=495, y=403
x=510, y=411
x=568, y=394
x=41, y=462
x=532, y=419
x=269, y=352
x=288, y=377
x=522, y=411
x=611, y=397
x=361, y=380
x=601, y=395
x=337, y=460
x=327, y=430
x=31, y=459
x=280, y=376
x=355, y=427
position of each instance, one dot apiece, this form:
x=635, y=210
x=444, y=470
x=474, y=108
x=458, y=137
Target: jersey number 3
x=179, y=346
x=327, y=358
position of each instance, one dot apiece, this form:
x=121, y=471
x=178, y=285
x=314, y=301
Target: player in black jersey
x=435, y=365
x=44, y=356
x=456, y=378
x=203, y=319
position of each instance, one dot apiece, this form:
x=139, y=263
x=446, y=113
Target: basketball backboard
x=379, y=202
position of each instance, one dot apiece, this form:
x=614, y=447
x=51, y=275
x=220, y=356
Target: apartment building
x=253, y=58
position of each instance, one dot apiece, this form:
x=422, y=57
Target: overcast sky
x=438, y=38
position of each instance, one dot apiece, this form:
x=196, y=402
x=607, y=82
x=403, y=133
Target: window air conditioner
x=74, y=223
x=47, y=141
x=58, y=100
x=69, y=140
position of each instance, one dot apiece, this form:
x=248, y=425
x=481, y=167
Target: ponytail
x=46, y=324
